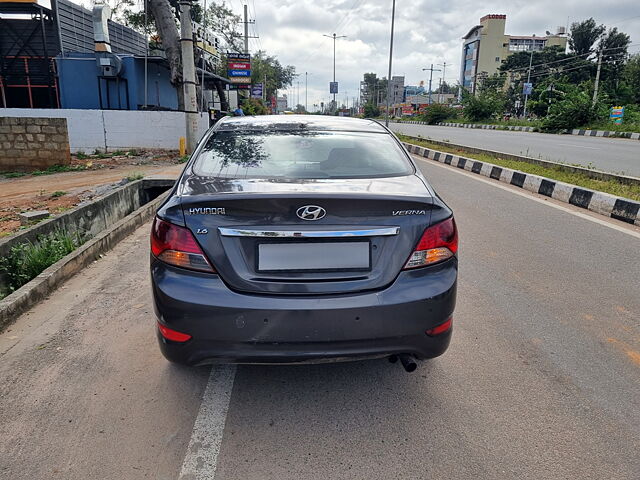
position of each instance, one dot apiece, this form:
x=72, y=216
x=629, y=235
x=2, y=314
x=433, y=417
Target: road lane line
x=530, y=196
x=578, y=146
x=201, y=458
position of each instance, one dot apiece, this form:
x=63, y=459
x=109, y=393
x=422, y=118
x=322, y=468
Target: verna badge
x=311, y=212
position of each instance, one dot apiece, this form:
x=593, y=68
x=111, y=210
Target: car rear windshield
x=305, y=154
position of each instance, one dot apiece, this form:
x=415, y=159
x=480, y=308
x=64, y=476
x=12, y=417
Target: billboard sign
x=617, y=114
x=239, y=65
x=256, y=90
x=239, y=68
x=333, y=87
x=527, y=88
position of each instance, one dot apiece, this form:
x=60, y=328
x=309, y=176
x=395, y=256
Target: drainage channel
x=94, y=228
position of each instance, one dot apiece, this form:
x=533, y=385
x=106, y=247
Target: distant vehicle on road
x=293, y=239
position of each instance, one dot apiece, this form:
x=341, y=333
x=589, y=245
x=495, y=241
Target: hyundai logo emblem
x=311, y=212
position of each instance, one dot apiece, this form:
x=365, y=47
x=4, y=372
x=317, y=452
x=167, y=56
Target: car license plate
x=314, y=256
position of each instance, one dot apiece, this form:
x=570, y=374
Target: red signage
x=239, y=66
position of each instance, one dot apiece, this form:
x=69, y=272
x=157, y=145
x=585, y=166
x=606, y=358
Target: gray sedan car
x=293, y=239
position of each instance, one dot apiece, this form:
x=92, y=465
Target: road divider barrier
x=521, y=128
x=620, y=208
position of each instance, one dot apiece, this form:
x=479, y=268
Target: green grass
x=59, y=169
x=27, y=260
x=135, y=176
x=13, y=174
x=58, y=193
x=183, y=159
x=556, y=173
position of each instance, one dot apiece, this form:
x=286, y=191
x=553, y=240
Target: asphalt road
x=542, y=379
x=615, y=155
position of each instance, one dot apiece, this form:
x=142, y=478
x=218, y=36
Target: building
x=57, y=54
x=486, y=46
x=397, y=90
x=282, y=104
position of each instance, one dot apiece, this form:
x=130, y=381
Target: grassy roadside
x=555, y=173
x=537, y=124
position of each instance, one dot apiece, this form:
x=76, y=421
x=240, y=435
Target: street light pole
x=335, y=37
x=306, y=92
x=526, y=95
x=431, y=78
x=393, y=19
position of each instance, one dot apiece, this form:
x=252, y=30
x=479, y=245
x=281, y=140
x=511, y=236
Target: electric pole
x=444, y=79
x=393, y=20
x=526, y=95
x=431, y=69
x=334, y=60
x=188, y=75
x=597, y=82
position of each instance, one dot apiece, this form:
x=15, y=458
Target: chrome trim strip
x=371, y=232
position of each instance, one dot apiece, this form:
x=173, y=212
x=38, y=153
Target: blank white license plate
x=313, y=256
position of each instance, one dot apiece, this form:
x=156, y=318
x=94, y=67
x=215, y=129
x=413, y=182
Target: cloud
x=426, y=32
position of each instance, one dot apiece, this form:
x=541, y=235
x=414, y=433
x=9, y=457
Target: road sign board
x=527, y=88
x=246, y=80
x=333, y=87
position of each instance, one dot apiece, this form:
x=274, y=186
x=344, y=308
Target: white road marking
x=530, y=196
x=578, y=146
x=202, y=453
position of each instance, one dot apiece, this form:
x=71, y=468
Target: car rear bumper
x=232, y=327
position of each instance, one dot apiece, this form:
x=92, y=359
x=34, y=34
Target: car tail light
x=438, y=242
x=176, y=246
x=442, y=328
x=173, y=335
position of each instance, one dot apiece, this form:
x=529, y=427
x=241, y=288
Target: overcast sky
x=425, y=32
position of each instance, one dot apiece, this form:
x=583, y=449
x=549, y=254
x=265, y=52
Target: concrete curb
x=518, y=128
x=620, y=208
x=41, y=286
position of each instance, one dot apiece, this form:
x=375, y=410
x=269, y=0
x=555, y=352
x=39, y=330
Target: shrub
x=371, y=110
x=439, y=113
x=574, y=110
x=27, y=260
x=484, y=106
x=254, y=106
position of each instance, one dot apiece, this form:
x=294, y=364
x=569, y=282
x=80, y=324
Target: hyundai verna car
x=292, y=239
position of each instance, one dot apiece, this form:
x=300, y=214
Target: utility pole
x=246, y=35
x=188, y=75
x=444, y=78
x=526, y=95
x=597, y=82
x=334, y=60
x=431, y=69
x=393, y=20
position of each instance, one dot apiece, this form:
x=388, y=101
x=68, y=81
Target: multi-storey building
x=486, y=46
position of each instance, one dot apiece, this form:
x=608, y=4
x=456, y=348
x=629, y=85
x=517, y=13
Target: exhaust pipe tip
x=408, y=363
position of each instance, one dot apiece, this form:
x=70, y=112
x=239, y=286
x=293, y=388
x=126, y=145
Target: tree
x=484, y=106
x=574, y=110
x=165, y=21
x=269, y=67
x=299, y=109
x=631, y=78
x=583, y=35
x=221, y=19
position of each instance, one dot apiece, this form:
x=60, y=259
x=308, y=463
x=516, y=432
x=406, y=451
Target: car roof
x=299, y=122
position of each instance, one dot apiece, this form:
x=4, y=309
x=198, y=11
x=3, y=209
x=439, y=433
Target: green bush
x=371, y=110
x=26, y=261
x=574, y=110
x=437, y=112
x=484, y=106
x=254, y=106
